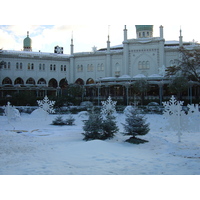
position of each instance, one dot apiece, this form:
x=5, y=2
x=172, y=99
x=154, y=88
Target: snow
x=33, y=146
x=140, y=76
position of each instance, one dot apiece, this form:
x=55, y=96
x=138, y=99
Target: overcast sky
x=45, y=37
x=89, y=21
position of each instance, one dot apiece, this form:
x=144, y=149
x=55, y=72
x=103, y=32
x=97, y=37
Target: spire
x=125, y=34
x=161, y=32
x=27, y=33
x=72, y=44
x=180, y=38
x=108, y=42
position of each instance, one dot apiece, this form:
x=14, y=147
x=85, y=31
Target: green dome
x=144, y=27
x=27, y=41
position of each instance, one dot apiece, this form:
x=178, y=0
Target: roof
x=144, y=27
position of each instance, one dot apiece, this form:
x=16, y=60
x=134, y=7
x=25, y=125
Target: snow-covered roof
x=124, y=76
x=155, y=76
x=140, y=76
x=31, y=53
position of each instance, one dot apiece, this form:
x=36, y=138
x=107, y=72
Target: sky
x=46, y=37
x=89, y=21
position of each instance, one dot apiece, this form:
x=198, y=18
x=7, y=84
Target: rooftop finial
x=27, y=33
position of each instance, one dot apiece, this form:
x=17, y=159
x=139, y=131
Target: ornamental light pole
x=98, y=87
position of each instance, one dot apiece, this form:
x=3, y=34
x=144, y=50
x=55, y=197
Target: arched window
x=53, y=83
x=30, y=81
x=19, y=81
x=7, y=80
x=41, y=81
x=63, y=83
x=79, y=81
x=90, y=81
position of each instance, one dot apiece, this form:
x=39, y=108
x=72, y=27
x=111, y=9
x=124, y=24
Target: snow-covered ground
x=33, y=146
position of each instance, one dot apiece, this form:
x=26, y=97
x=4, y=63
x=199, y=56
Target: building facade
x=103, y=72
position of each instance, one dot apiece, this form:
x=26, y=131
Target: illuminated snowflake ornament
x=46, y=105
x=108, y=107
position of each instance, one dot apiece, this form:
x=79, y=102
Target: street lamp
x=127, y=85
x=190, y=91
x=98, y=87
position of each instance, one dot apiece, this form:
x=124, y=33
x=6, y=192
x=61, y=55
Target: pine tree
x=109, y=127
x=135, y=125
x=58, y=121
x=93, y=127
x=70, y=120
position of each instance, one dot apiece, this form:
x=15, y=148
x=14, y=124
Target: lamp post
x=98, y=87
x=127, y=85
x=190, y=91
x=161, y=83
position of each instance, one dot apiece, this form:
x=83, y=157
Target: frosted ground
x=32, y=146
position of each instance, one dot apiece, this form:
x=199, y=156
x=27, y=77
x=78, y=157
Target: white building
x=113, y=69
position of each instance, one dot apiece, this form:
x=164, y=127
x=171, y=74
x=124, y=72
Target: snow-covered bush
x=135, y=124
x=58, y=121
x=70, y=120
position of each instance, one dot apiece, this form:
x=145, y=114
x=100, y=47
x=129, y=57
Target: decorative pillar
x=108, y=59
x=125, y=53
x=180, y=39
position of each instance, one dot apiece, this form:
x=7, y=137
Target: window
x=17, y=65
x=5, y=65
x=65, y=68
x=143, y=65
x=51, y=67
x=8, y=65
x=90, y=68
x=80, y=68
x=32, y=66
x=54, y=68
x=43, y=67
x=29, y=66
x=61, y=68
x=21, y=65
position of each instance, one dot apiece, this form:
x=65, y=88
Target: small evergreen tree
x=109, y=127
x=93, y=127
x=58, y=121
x=135, y=125
x=70, y=120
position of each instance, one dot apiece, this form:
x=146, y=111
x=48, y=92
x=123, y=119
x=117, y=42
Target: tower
x=72, y=46
x=161, y=32
x=125, y=52
x=27, y=44
x=144, y=31
x=180, y=39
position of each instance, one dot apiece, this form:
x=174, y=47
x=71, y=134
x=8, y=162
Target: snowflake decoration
x=46, y=105
x=108, y=107
x=177, y=118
